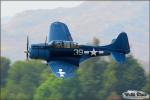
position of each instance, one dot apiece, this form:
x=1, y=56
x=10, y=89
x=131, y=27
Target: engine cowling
x=39, y=53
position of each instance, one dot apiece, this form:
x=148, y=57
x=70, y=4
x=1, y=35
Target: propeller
x=27, y=49
x=45, y=40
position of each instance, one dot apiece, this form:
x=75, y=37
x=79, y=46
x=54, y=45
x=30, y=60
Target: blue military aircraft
x=64, y=55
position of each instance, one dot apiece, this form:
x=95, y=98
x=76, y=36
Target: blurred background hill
x=104, y=20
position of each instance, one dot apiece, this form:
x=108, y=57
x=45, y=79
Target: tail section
x=119, y=47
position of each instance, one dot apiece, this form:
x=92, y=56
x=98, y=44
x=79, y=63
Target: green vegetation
x=101, y=80
x=5, y=64
x=23, y=79
x=96, y=79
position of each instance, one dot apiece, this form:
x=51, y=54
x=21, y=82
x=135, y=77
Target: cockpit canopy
x=63, y=44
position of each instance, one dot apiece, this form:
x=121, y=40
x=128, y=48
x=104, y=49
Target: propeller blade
x=27, y=49
x=46, y=40
x=27, y=43
x=27, y=57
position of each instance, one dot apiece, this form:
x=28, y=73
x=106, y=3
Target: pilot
x=59, y=45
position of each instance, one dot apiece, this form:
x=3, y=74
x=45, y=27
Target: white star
x=93, y=52
x=61, y=73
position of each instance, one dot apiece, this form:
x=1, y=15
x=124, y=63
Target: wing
x=62, y=69
x=59, y=31
x=83, y=58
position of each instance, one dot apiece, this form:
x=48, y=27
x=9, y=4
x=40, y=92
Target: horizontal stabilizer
x=119, y=57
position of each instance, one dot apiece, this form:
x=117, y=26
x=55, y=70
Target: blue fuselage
x=49, y=53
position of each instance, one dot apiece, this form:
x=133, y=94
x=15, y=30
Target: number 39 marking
x=78, y=51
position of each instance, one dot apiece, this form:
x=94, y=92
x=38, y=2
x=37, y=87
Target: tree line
x=98, y=78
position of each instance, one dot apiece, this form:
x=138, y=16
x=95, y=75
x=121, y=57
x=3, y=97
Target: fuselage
x=51, y=52
x=69, y=51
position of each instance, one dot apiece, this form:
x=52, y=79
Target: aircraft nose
x=33, y=53
x=38, y=53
